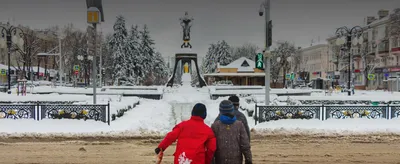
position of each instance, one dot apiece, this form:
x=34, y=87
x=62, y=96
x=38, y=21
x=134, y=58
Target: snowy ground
x=156, y=117
x=359, y=95
x=100, y=91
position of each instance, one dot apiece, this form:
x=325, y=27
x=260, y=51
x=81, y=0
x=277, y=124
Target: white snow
x=186, y=51
x=359, y=95
x=156, y=117
x=49, y=97
x=330, y=126
x=157, y=90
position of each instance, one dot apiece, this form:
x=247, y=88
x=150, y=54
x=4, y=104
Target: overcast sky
x=236, y=21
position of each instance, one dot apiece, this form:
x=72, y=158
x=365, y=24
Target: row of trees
x=133, y=58
x=127, y=56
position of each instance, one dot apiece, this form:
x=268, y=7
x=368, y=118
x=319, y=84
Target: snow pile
x=149, y=116
x=330, y=127
x=100, y=91
x=4, y=97
x=157, y=117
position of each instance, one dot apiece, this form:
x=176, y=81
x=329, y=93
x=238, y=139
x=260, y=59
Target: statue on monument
x=186, y=23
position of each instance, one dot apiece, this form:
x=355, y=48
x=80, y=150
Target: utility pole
x=101, y=54
x=94, y=16
x=265, y=7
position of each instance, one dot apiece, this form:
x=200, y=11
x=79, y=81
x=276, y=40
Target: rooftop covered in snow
x=243, y=64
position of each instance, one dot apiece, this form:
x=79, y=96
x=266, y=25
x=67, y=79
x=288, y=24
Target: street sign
x=76, y=72
x=288, y=76
x=3, y=72
x=76, y=67
x=371, y=76
x=386, y=74
x=292, y=76
x=259, y=61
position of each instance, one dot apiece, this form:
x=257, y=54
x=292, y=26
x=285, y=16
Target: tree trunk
x=284, y=77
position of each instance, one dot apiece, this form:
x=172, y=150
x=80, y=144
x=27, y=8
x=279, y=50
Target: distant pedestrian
x=196, y=141
x=239, y=115
x=232, y=140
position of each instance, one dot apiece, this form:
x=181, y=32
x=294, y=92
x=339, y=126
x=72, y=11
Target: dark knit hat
x=226, y=106
x=199, y=110
x=235, y=100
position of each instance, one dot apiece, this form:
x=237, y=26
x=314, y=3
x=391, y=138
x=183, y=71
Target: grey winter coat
x=232, y=143
x=240, y=117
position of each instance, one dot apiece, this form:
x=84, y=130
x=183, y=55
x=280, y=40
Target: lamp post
x=265, y=7
x=9, y=35
x=290, y=60
x=348, y=37
x=85, y=59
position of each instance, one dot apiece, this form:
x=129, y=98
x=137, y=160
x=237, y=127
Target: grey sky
x=235, y=21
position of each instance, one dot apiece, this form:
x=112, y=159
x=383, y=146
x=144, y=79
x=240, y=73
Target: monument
x=186, y=56
x=186, y=23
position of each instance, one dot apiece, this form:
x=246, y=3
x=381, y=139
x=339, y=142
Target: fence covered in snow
x=56, y=111
x=268, y=113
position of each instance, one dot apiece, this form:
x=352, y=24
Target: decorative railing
x=52, y=111
x=267, y=113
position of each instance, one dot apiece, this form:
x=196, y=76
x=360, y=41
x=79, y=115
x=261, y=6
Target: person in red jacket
x=196, y=140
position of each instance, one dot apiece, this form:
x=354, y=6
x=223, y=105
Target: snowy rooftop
x=186, y=51
x=243, y=64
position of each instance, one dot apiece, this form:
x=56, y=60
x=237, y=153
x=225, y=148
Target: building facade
x=315, y=61
x=377, y=55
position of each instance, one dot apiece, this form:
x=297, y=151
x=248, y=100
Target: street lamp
x=9, y=35
x=348, y=37
x=85, y=59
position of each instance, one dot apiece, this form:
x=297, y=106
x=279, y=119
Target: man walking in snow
x=239, y=115
x=196, y=141
x=232, y=140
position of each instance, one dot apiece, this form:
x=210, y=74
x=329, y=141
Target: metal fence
x=268, y=113
x=53, y=111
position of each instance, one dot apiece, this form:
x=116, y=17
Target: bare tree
x=27, y=53
x=73, y=44
x=284, y=51
x=247, y=50
x=395, y=23
x=275, y=68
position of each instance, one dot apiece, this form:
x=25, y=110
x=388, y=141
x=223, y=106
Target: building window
x=398, y=60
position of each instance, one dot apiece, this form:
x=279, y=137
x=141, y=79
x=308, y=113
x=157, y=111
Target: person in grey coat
x=232, y=140
x=239, y=115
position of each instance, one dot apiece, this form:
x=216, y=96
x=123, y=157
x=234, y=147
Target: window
x=398, y=60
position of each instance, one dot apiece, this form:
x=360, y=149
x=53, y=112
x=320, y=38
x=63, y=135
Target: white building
x=314, y=61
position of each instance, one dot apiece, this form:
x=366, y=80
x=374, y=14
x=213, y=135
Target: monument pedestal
x=186, y=56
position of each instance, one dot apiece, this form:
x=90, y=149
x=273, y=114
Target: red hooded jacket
x=196, y=142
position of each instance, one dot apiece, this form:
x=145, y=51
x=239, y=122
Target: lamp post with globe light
x=85, y=59
x=349, y=37
x=10, y=35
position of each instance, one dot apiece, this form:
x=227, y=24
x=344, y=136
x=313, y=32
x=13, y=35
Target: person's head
x=235, y=101
x=226, y=108
x=199, y=110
